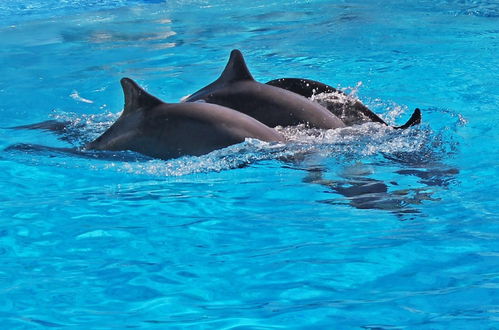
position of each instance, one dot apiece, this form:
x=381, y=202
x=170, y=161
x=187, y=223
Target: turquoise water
x=361, y=228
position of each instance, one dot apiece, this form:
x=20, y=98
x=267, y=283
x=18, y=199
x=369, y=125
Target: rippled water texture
x=363, y=227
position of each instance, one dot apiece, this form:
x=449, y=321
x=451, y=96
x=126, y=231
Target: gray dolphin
x=169, y=130
x=273, y=106
x=350, y=110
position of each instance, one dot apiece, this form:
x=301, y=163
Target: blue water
x=360, y=228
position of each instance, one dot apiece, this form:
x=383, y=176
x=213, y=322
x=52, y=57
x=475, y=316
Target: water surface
x=364, y=227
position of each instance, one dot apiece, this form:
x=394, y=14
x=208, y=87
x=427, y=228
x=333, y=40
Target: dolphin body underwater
x=284, y=101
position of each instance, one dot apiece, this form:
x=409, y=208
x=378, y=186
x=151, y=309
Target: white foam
x=76, y=96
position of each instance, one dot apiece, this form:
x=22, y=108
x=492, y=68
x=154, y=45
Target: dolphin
x=350, y=110
x=272, y=106
x=169, y=130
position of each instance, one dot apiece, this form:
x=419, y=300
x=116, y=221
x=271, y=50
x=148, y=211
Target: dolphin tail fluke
x=414, y=120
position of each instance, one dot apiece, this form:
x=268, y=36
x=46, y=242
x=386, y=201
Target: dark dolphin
x=273, y=106
x=348, y=109
x=169, y=130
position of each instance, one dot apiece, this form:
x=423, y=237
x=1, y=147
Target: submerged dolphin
x=169, y=130
x=350, y=110
x=273, y=106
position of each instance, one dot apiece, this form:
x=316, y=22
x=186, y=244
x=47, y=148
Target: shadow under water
x=363, y=192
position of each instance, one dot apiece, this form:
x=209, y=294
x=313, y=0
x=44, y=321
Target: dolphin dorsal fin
x=236, y=69
x=136, y=98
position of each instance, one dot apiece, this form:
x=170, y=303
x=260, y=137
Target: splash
x=237, y=156
x=76, y=96
x=81, y=129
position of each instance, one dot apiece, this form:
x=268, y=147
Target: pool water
x=363, y=227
